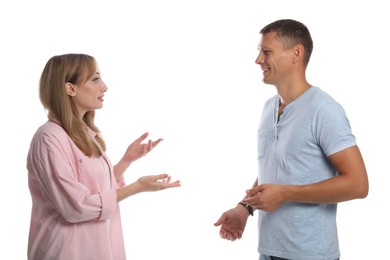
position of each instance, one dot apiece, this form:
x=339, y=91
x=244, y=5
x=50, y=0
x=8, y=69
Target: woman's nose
x=104, y=87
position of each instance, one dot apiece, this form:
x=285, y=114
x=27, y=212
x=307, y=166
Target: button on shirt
x=74, y=210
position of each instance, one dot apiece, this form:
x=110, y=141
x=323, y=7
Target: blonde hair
x=75, y=69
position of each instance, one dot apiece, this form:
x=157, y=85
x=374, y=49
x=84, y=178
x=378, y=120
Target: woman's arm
x=134, y=151
x=146, y=183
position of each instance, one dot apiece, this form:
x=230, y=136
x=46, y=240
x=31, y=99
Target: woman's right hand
x=157, y=182
x=147, y=183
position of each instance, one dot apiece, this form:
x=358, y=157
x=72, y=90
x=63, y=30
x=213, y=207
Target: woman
x=74, y=188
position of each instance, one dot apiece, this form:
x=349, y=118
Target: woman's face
x=88, y=96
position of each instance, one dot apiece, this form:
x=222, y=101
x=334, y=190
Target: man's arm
x=351, y=183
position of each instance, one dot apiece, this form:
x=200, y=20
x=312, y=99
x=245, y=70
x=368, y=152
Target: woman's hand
x=134, y=151
x=156, y=182
x=137, y=149
x=147, y=183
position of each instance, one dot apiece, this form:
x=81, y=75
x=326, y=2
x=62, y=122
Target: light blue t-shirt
x=295, y=150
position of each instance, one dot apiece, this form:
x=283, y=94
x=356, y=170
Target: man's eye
x=96, y=79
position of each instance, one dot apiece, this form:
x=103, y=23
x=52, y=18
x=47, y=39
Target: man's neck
x=289, y=93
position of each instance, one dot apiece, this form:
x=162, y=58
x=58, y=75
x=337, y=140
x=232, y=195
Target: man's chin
x=266, y=81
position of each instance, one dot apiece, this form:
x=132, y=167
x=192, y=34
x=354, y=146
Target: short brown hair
x=290, y=33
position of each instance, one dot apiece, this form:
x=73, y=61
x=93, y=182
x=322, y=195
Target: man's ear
x=70, y=89
x=298, y=53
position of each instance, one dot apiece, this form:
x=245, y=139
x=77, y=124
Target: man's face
x=274, y=59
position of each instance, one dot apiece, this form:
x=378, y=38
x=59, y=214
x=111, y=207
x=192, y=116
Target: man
x=308, y=157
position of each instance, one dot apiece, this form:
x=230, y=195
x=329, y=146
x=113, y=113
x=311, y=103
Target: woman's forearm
x=127, y=191
x=120, y=168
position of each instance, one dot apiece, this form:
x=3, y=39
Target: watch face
x=248, y=207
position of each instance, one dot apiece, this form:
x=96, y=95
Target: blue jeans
x=267, y=257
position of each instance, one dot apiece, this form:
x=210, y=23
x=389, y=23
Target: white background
x=185, y=71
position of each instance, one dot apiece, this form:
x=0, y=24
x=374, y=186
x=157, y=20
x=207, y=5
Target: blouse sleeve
x=57, y=178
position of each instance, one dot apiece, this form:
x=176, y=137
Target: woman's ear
x=70, y=89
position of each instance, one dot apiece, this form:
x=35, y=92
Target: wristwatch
x=248, y=207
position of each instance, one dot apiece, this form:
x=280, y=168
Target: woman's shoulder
x=50, y=130
x=50, y=127
x=47, y=136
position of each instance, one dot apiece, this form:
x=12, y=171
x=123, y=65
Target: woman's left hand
x=137, y=149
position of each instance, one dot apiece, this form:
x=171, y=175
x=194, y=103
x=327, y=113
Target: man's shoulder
x=320, y=98
x=271, y=100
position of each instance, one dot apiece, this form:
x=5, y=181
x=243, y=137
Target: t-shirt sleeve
x=333, y=130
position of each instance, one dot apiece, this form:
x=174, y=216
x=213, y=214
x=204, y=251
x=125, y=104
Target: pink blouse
x=74, y=210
